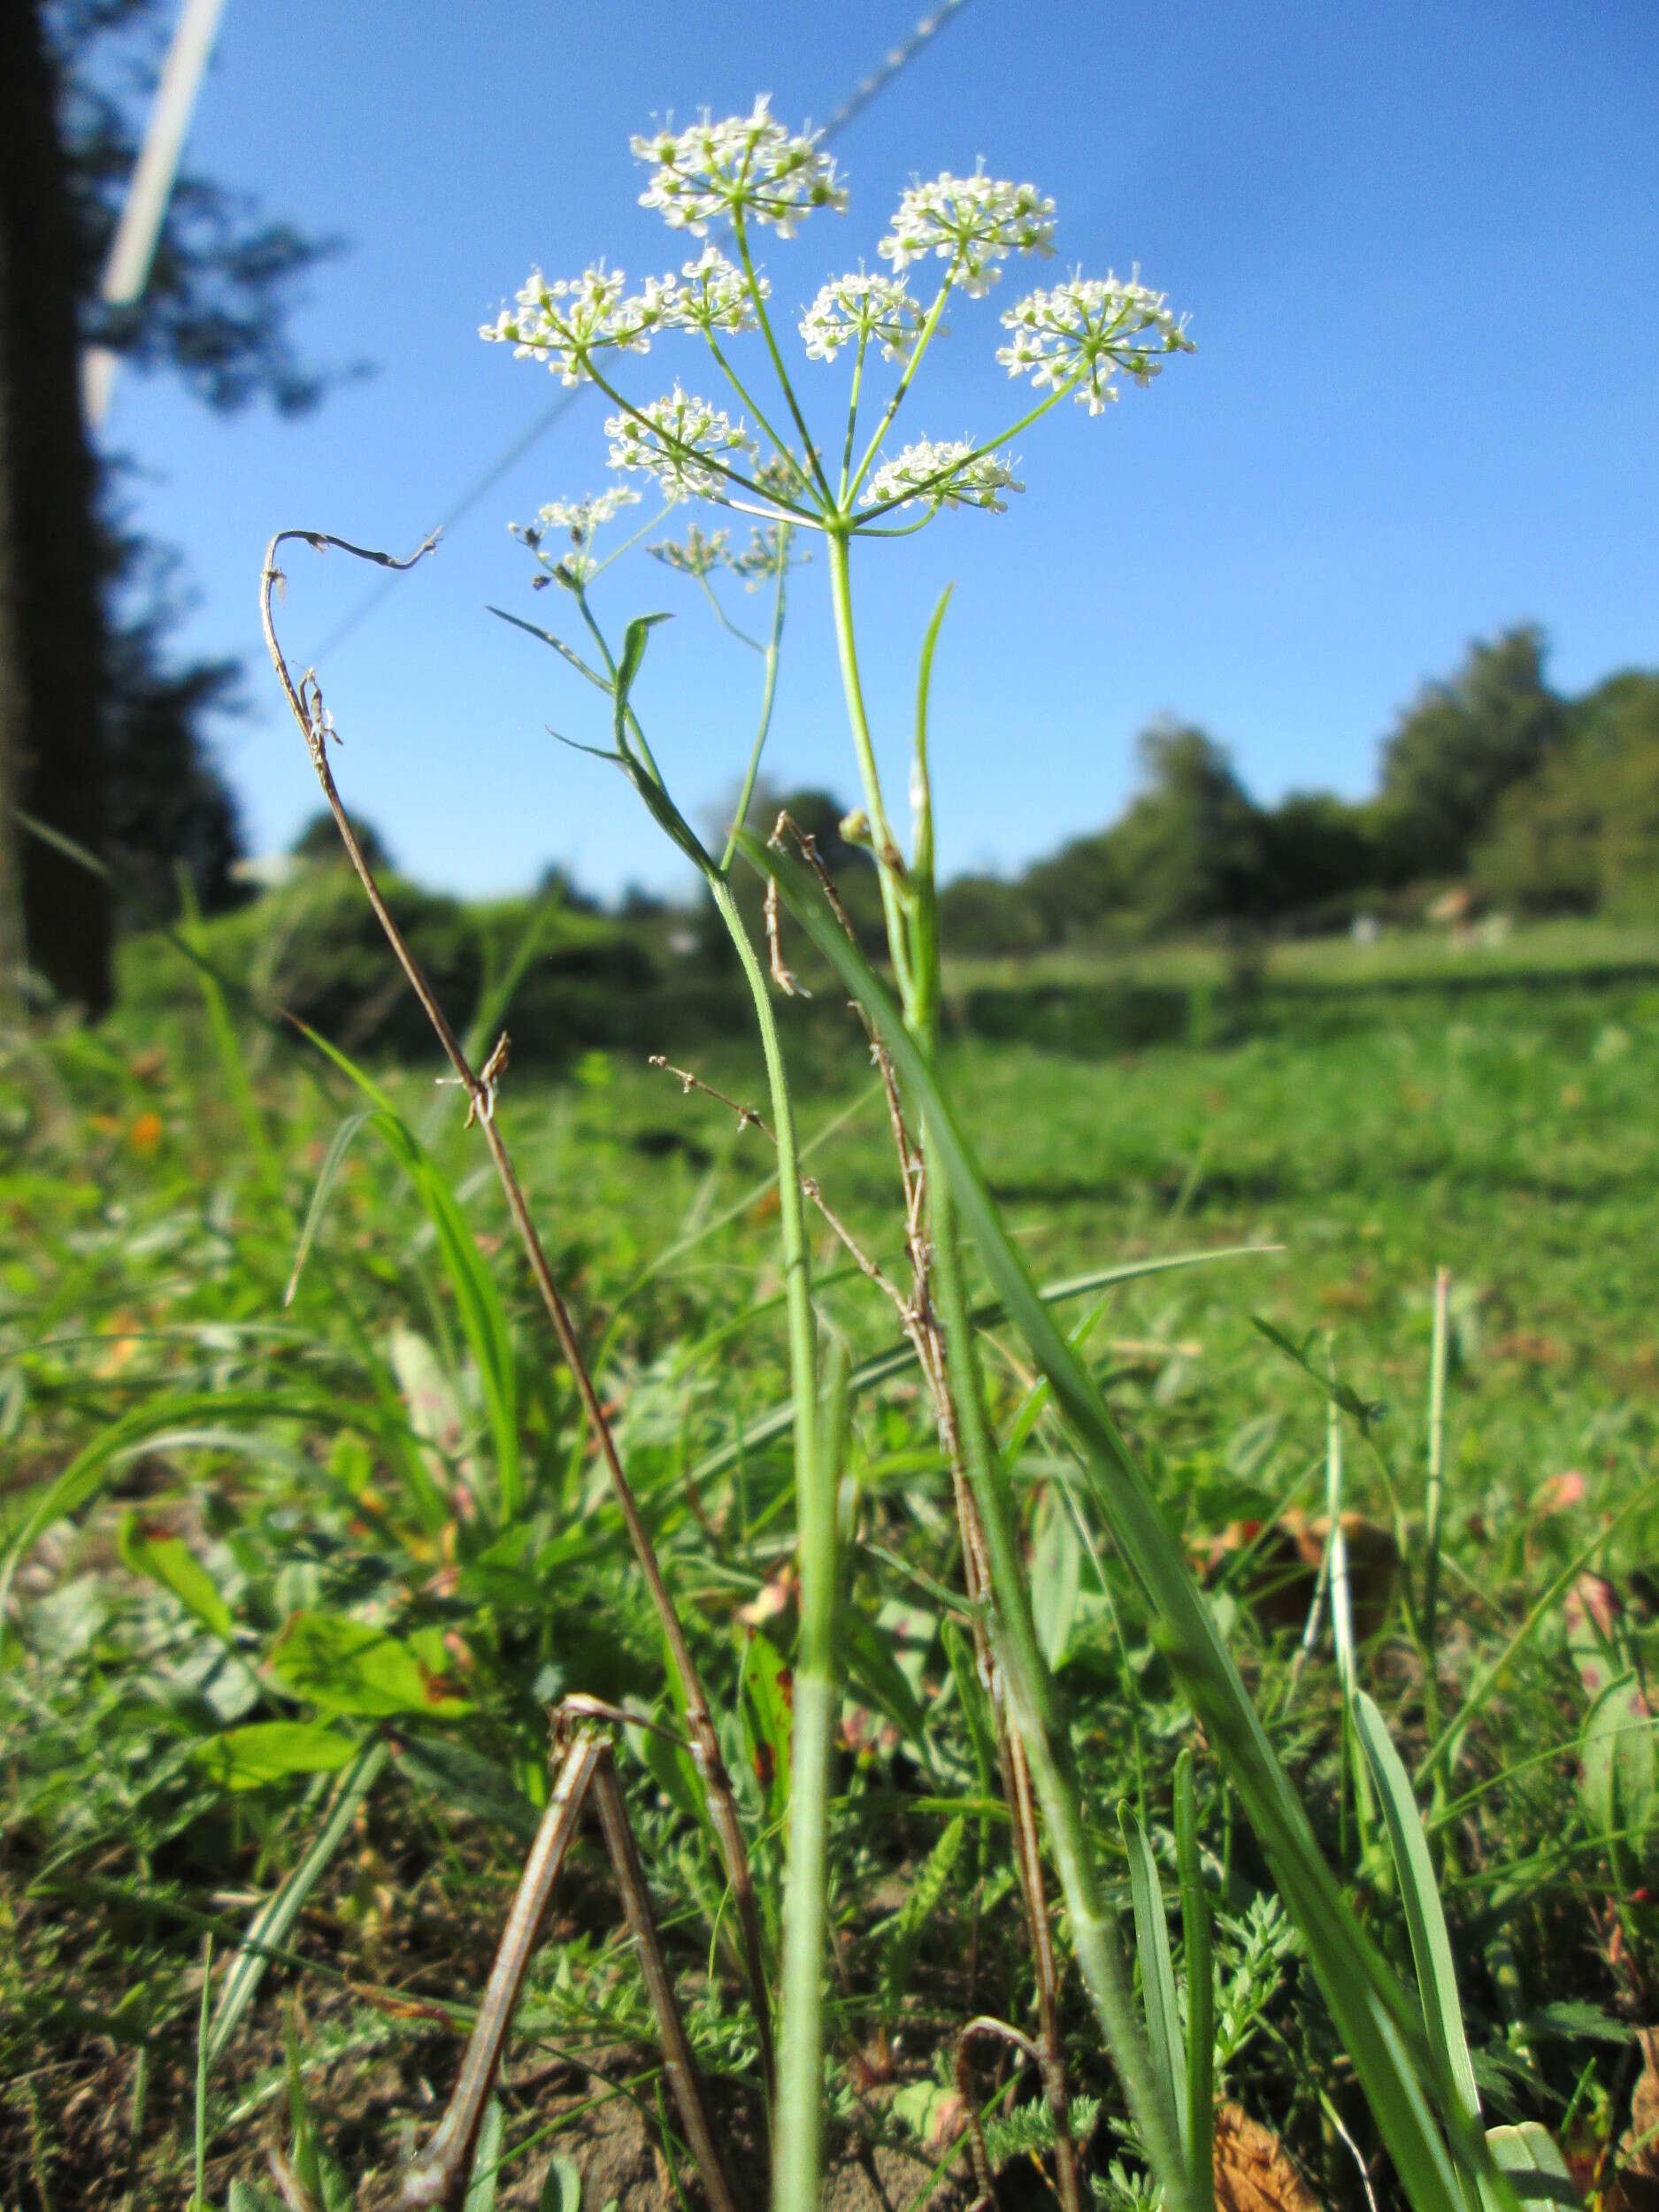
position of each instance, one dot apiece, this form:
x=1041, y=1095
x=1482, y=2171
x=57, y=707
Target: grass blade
x=332, y=1162
x=1200, y=2132
x=1430, y=1946
x=1376, y=2022
x=1158, y=1971
x=477, y=1301
x=268, y=1929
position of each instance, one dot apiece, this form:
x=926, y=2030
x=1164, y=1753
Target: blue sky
x=1419, y=247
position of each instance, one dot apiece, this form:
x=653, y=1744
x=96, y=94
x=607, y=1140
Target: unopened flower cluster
x=699, y=553
x=1085, y=331
x=748, y=167
x=972, y=222
x=948, y=473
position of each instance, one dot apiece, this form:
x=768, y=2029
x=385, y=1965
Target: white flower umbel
x=746, y=166
x=711, y=294
x=672, y=439
x=565, y=322
x=947, y=473
x=572, y=525
x=972, y=222
x=696, y=554
x=856, y=308
x=1085, y=331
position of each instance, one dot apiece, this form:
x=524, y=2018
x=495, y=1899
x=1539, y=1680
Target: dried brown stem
x=678, y=2061
x=440, y=2177
x=747, y=1119
x=306, y=704
x=986, y=2026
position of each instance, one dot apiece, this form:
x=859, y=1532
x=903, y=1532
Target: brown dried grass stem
x=305, y=702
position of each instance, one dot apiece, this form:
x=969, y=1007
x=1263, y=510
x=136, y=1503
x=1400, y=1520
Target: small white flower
x=746, y=166
x=947, y=473
x=1092, y=327
x=972, y=222
x=714, y=295
x=856, y=308
x=671, y=440
x=576, y=522
x=697, y=554
x=565, y=322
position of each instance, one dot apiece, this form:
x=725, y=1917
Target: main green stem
x=887, y=858
x=798, y=2132
x=1024, y=1673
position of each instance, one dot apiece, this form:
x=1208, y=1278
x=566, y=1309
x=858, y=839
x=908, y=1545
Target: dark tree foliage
x=1318, y=852
x=102, y=733
x=1458, y=748
x=319, y=842
x=1188, y=850
x=1581, y=836
x=166, y=807
x=221, y=283
x=52, y=643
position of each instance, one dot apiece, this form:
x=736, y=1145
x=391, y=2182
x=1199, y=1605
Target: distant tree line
x=1542, y=805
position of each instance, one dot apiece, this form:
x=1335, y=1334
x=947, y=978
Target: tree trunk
x=52, y=627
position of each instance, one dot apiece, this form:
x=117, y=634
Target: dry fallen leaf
x=1253, y=2173
x=1635, y=2186
x=1279, y=1583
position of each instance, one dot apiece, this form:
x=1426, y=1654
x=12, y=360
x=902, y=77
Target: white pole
x=133, y=248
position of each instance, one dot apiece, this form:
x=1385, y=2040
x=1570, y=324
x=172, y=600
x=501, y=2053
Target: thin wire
x=869, y=88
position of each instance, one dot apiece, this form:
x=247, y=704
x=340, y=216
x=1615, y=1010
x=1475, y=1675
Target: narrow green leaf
x=1055, y=1579
x=334, y=1160
x=1200, y=2134
x=557, y=643
x=268, y=1929
x=635, y=640
x=1378, y=2026
x=477, y=1301
x=94, y=1465
x=481, y=2190
x=870, y=1373
x=1157, y=1972
x=1419, y=1894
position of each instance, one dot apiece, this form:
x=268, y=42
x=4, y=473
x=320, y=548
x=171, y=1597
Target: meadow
x=296, y=1578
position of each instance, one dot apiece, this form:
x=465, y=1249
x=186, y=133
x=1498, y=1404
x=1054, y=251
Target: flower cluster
x=853, y=309
x=675, y=439
x=696, y=554
x=972, y=222
x=577, y=521
x=746, y=166
x=771, y=549
x=714, y=295
x=565, y=322
x=1085, y=331
x=947, y=473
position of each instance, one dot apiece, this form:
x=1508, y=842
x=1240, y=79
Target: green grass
x=288, y=1542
